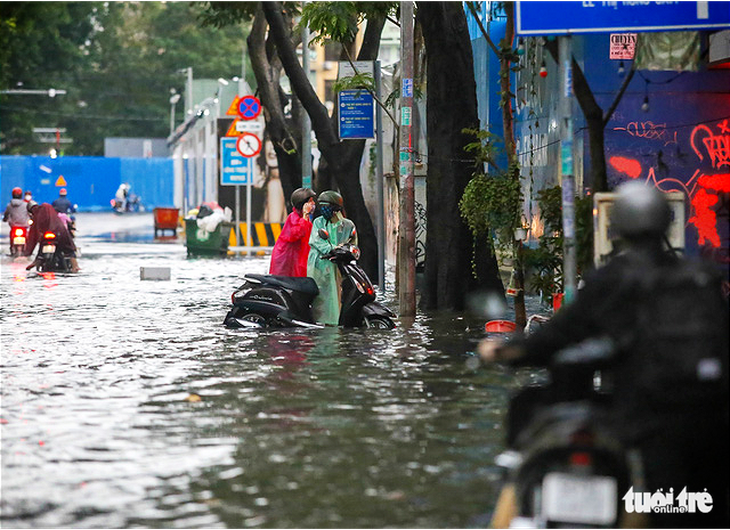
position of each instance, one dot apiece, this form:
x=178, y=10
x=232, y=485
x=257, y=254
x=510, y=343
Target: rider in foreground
x=326, y=306
x=291, y=250
x=669, y=322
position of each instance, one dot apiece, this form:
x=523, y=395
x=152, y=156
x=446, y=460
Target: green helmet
x=332, y=198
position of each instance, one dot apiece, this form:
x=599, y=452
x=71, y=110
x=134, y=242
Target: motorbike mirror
x=324, y=234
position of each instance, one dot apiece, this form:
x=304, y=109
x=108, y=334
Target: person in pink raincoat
x=289, y=257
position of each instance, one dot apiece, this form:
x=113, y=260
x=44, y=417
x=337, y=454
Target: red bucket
x=500, y=326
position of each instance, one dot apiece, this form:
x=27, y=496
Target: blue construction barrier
x=91, y=181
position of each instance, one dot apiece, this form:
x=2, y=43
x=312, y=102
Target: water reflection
x=315, y=428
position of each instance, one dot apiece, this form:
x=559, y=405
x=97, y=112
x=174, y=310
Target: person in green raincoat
x=326, y=306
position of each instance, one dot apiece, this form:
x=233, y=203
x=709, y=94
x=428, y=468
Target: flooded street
x=126, y=403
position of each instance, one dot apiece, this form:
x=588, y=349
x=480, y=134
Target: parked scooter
x=283, y=301
x=18, y=237
x=565, y=465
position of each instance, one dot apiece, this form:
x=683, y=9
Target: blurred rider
x=669, y=322
x=62, y=204
x=326, y=306
x=46, y=219
x=291, y=250
x=16, y=213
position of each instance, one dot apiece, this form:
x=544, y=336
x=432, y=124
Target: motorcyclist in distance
x=663, y=313
x=62, y=204
x=326, y=306
x=291, y=250
x=46, y=219
x=16, y=213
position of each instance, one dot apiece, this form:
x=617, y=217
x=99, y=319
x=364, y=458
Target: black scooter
x=565, y=465
x=50, y=258
x=283, y=301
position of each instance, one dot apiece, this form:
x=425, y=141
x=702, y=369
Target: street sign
x=255, y=127
x=558, y=18
x=248, y=145
x=356, y=114
x=235, y=169
x=233, y=109
x=623, y=45
x=249, y=107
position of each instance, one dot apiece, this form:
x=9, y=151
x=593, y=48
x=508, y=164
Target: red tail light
x=581, y=459
x=370, y=291
x=18, y=232
x=49, y=235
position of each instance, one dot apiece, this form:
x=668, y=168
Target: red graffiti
x=629, y=166
x=704, y=218
x=717, y=146
x=719, y=182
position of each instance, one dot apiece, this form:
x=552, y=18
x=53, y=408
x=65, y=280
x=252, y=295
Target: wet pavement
x=126, y=403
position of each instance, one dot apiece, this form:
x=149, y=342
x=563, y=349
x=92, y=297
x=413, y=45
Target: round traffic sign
x=249, y=107
x=248, y=145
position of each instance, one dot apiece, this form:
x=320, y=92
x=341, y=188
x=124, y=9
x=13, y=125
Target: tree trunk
x=451, y=106
x=266, y=69
x=343, y=158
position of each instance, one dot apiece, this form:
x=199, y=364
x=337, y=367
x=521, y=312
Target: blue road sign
x=546, y=18
x=356, y=114
x=234, y=167
x=249, y=107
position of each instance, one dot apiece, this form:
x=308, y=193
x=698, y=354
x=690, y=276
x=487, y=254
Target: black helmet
x=332, y=198
x=301, y=196
x=640, y=212
x=17, y=193
x=31, y=204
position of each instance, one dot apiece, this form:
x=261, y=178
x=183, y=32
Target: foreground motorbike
x=18, y=237
x=283, y=301
x=565, y=465
x=50, y=258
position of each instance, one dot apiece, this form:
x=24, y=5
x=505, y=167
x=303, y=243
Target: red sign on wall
x=623, y=46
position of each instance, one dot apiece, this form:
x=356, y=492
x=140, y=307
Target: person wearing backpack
x=668, y=318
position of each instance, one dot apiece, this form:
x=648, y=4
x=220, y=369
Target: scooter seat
x=304, y=285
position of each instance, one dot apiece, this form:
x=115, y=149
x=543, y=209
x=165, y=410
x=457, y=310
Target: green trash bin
x=202, y=243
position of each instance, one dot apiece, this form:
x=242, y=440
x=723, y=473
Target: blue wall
x=91, y=181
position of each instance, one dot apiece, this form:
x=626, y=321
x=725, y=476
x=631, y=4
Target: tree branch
x=298, y=78
x=473, y=11
x=624, y=86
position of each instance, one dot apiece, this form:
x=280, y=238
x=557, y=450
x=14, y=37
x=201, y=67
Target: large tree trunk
x=451, y=106
x=343, y=158
x=266, y=68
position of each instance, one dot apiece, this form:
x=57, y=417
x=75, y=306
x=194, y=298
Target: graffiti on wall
x=703, y=176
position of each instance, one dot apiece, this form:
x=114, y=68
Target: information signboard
x=559, y=18
x=356, y=118
x=234, y=167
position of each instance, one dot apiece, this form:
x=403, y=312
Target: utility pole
x=407, y=229
x=566, y=155
x=306, y=123
x=379, y=179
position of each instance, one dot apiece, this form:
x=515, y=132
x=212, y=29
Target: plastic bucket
x=500, y=326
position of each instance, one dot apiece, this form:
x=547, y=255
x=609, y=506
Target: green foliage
x=362, y=80
x=546, y=260
x=116, y=60
x=491, y=202
x=338, y=21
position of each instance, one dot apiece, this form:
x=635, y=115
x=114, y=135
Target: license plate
x=19, y=240
x=575, y=499
x=49, y=249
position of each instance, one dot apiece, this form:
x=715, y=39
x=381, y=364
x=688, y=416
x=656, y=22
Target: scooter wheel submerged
x=379, y=323
x=254, y=318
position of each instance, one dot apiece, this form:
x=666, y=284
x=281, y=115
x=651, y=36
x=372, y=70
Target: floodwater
x=126, y=403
